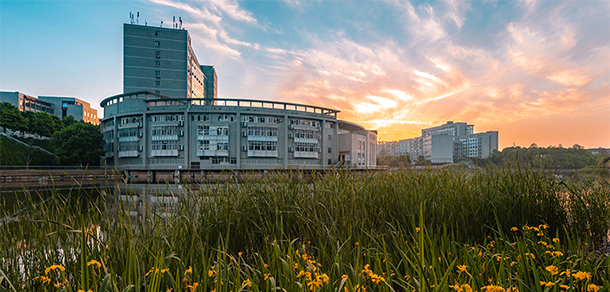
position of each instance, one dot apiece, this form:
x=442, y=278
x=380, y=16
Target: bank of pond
x=435, y=230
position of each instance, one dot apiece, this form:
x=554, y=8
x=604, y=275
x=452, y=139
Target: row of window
x=218, y=130
x=207, y=145
x=306, y=134
x=305, y=123
x=129, y=132
x=166, y=118
x=164, y=130
x=257, y=119
x=224, y=160
x=131, y=120
x=165, y=145
x=262, y=131
x=262, y=145
x=128, y=146
x=305, y=147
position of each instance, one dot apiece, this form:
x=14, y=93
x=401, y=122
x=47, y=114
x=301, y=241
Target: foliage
x=575, y=157
x=78, y=144
x=12, y=153
x=394, y=161
x=423, y=231
x=11, y=118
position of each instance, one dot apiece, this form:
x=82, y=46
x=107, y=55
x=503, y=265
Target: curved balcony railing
x=154, y=100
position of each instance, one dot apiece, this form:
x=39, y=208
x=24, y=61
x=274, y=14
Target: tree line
x=73, y=142
x=575, y=157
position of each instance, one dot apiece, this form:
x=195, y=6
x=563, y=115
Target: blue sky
x=537, y=71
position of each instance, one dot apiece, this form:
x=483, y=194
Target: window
x=157, y=33
x=330, y=137
x=157, y=43
x=157, y=54
x=330, y=161
x=157, y=63
x=157, y=83
x=158, y=74
x=330, y=150
x=157, y=92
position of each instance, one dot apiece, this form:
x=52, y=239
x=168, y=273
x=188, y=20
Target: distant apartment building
x=448, y=143
x=55, y=105
x=388, y=148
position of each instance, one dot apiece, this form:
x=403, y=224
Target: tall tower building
x=161, y=60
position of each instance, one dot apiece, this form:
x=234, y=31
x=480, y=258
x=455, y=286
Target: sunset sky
x=536, y=71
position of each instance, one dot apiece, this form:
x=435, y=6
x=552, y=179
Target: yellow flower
x=164, y=270
x=356, y=243
x=555, y=240
x=539, y=234
x=554, y=270
x=462, y=268
x=513, y=263
x=417, y=229
x=547, y=284
x=94, y=262
x=564, y=287
x=192, y=287
x=246, y=282
x=301, y=274
x=492, y=288
x=514, y=229
x=296, y=266
x=466, y=288
x=239, y=254
x=266, y=265
x=582, y=275
x=188, y=271
x=53, y=267
x=592, y=288
x=557, y=253
x=267, y=276
x=211, y=272
x=344, y=277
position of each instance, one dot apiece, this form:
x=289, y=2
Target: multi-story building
x=72, y=106
x=161, y=60
x=388, y=148
x=59, y=106
x=449, y=142
x=357, y=145
x=26, y=102
x=169, y=117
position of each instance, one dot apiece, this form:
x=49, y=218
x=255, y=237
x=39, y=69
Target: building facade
x=72, y=106
x=357, y=146
x=169, y=117
x=55, y=105
x=161, y=60
x=144, y=130
x=447, y=143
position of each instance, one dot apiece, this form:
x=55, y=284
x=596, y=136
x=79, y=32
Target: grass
x=514, y=228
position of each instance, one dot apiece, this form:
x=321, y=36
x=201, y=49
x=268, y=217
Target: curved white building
x=173, y=120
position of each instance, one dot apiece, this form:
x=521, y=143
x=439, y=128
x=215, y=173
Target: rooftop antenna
x=145, y=22
x=174, y=22
x=161, y=23
x=180, y=22
x=138, y=19
x=131, y=17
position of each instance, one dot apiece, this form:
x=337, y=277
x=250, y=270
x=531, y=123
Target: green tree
x=11, y=117
x=78, y=144
x=68, y=121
